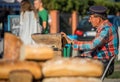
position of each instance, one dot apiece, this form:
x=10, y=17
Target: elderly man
x=105, y=44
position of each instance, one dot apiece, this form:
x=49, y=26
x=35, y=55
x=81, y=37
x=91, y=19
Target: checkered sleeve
x=100, y=38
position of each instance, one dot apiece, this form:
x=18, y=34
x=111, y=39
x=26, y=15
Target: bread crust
x=7, y=66
x=36, y=52
x=12, y=45
x=72, y=67
x=72, y=79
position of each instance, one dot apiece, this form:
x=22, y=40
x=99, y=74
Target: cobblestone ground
x=117, y=68
x=111, y=80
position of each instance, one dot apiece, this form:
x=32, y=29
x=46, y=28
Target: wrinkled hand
x=65, y=36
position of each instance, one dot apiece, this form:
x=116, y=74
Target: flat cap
x=97, y=10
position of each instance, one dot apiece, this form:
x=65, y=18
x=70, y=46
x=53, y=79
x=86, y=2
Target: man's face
x=94, y=20
x=36, y=4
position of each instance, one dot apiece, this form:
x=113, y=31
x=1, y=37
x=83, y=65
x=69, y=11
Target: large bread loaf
x=8, y=66
x=12, y=45
x=36, y=52
x=72, y=79
x=72, y=67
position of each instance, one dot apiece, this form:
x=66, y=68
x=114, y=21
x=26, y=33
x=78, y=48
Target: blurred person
x=105, y=44
x=116, y=20
x=43, y=15
x=29, y=23
x=1, y=45
x=4, y=16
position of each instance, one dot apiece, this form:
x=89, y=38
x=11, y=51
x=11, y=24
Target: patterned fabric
x=103, y=46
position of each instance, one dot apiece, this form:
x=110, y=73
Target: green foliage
x=65, y=5
x=117, y=6
x=81, y=6
x=110, y=5
x=52, y=4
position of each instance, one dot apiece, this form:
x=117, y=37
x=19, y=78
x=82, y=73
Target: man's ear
x=99, y=20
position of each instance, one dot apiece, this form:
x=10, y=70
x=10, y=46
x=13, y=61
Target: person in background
x=1, y=46
x=43, y=15
x=29, y=23
x=105, y=44
x=116, y=20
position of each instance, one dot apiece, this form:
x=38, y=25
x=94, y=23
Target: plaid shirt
x=104, y=45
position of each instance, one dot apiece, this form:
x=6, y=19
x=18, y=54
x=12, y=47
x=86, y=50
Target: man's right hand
x=67, y=39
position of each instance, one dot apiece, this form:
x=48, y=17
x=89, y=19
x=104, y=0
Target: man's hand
x=69, y=41
x=63, y=34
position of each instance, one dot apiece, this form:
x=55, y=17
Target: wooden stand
x=53, y=40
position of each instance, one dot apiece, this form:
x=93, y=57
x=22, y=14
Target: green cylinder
x=64, y=52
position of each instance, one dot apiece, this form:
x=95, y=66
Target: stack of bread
x=15, y=49
x=72, y=70
x=53, y=69
x=16, y=54
x=8, y=66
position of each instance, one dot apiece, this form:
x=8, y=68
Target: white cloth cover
x=28, y=26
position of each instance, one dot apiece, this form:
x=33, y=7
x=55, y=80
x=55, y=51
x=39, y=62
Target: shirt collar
x=99, y=28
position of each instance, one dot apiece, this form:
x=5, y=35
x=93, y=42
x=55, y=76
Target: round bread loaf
x=12, y=45
x=8, y=66
x=72, y=67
